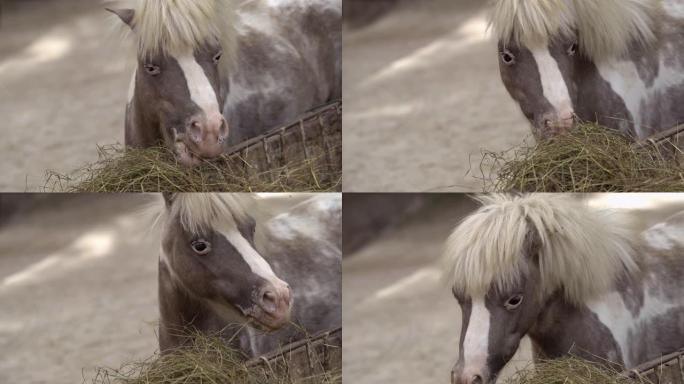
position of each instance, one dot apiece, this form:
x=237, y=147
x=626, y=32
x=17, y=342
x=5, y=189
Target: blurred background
x=78, y=282
x=401, y=323
x=422, y=96
x=64, y=76
x=78, y=285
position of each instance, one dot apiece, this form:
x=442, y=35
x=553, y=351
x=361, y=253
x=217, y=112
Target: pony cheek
x=509, y=347
x=223, y=290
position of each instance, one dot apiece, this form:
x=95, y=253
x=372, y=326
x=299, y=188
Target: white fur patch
x=664, y=236
x=611, y=311
x=289, y=225
x=553, y=85
x=201, y=91
x=624, y=80
x=476, y=341
x=674, y=8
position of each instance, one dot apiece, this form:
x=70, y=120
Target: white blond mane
x=179, y=26
x=606, y=28
x=200, y=212
x=582, y=250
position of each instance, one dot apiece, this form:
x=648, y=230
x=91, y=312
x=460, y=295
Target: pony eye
x=201, y=247
x=217, y=57
x=507, y=57
x=572, y=49
x=152, y=69
x=513, y=302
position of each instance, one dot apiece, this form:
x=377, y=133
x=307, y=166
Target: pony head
x=505, y=261
x=548, y=48
x=182, y=46
x=208, y=250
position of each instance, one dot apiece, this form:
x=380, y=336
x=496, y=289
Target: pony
x=614, y=62
x=211, y=75
x=256, y=285
x=575, y=279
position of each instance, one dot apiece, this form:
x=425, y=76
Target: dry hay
x=156, y=169
x=588, y=159
x=571, y=370
x=207, y=360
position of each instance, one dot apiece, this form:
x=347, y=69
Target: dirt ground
x=78, y=285
x=422, y=98
x=401, y=325
x=64, y=75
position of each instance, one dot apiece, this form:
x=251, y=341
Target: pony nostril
x=224, y=128
x=196, y=131
x=477, y=379
x=269, y=301
x=223, y=132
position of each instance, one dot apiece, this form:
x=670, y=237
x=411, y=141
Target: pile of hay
x=155, y=169
x=571, y=370
x=588, y=159
x=207, y=360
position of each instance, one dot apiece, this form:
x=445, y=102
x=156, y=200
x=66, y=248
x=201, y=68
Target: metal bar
x=653, y=364
x=660, y=137
x=336, y=105
x=323, y=336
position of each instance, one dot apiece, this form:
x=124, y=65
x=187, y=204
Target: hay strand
x=571, y=370
x=588, y=159
x=155, y=169
x=207, y=360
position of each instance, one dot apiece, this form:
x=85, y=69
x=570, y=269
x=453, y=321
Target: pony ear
x=168, y=198
x=126, y=15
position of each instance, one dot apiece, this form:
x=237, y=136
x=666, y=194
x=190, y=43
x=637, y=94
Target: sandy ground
x=422, y=97
x=78, y=286
x=401, y=325
x=77, y=289
x=64, y=75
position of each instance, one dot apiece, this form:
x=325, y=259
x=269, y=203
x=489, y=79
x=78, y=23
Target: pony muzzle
x=468, y=378
x=207, y=134
x=556, y=123
x=274, y=302
x=470, y=375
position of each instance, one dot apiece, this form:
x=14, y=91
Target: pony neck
x=564, y=328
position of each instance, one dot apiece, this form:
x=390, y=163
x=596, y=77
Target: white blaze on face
x=553, y=85
x=131, y=87
x=256, y=263
x=201, y=91
x=476, y=341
